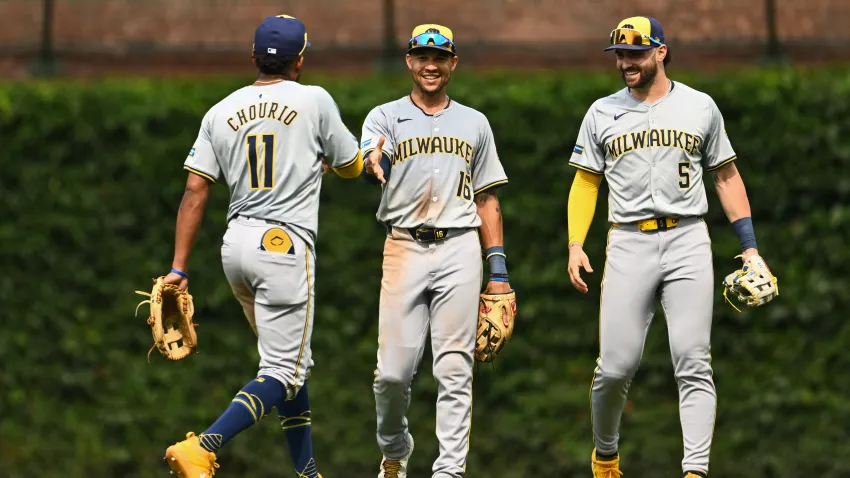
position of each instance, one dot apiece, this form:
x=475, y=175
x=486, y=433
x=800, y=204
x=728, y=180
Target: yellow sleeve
x=582, y=204
x=351, y=169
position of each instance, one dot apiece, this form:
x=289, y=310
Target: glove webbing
x=489, y=349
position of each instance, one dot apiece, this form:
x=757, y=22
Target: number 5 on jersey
x=267, y=153
x=684, y=175
x=464, y=186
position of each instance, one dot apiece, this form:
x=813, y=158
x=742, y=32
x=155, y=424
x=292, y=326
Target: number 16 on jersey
x=464, y=186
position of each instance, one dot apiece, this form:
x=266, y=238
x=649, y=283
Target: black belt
x=427, y=234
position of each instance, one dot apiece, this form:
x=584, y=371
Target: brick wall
x=226, y=26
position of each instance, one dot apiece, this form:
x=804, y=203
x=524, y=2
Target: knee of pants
x=453, y=369
x=396, y=367
x=392, y=379
x=694, y=366
x=617, y=370
x=390, y=386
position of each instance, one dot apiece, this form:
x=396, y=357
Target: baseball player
x=268, y=141
x=652, y=141
x=437, y=163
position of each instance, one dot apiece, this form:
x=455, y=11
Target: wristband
x=494, y=250
x=496, y=259
x=499, y=277
x=746, y=233
x=180, y=273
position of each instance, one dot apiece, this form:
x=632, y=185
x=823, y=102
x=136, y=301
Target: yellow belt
x=656, y=223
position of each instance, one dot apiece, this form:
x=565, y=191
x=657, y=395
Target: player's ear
x=409, y=62
x=299, y=63
x=454, y=62
x=661, y=53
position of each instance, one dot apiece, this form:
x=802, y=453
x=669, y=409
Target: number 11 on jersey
x=254, y=150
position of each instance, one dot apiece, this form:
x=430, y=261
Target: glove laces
x=150, y=319
x=726, y=298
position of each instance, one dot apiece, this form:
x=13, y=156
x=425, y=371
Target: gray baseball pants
x=274, y=284
x=428, y=288
x=675, y=266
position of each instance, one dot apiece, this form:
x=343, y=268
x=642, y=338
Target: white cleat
x=396, y=468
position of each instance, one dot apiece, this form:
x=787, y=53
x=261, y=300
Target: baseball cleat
x=605, y=469
x=188, y=459
x=396, y=468
x=691, y=474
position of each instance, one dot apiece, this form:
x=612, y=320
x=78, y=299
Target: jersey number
x=267, y=150
x=464, y=186
x=685, y=175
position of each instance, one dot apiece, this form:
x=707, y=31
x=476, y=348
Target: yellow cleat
x=188, y=459
x=692, y=475
x=605, y=469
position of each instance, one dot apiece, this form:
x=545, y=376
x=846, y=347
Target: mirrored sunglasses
x=432, y=39
x=628, y=36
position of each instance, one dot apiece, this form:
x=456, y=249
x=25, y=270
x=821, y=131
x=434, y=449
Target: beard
x=432, y=90
x=645, y=77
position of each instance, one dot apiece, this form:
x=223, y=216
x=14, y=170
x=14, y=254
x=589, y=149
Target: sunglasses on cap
x=628, y=36
x=431, y=39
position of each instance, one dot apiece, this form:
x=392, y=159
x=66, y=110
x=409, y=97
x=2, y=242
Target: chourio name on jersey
x=264, y=110
x=653, y=138
x=432, y=145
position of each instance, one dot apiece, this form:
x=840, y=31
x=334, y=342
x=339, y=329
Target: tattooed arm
x=492, y=240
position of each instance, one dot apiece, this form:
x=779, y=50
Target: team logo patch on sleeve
x=578, y=149
x=366, y=143
x=277, y=240
x=192, y=152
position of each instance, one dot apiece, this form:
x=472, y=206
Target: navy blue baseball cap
x=281, y=35
x=637, y=33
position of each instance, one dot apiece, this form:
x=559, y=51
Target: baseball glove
x=171, y=310
x=496, y=316
x=753, y=283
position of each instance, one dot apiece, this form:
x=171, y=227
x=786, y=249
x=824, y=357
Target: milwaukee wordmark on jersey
x=653, y=155
x=438, y=163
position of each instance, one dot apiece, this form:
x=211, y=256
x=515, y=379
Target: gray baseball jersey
x=439, y=162
x=653, y=156
x=267, y=142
